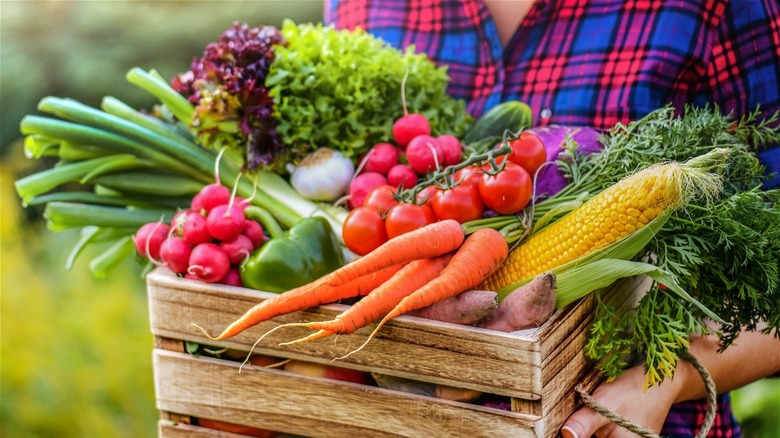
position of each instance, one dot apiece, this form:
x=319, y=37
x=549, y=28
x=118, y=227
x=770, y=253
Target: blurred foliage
x=82, y=49
x=76, y=351
x=757, y=407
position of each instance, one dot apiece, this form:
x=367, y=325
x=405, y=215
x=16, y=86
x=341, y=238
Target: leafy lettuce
x=342, y=89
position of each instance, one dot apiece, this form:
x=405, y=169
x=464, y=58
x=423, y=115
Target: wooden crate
x=537, y=371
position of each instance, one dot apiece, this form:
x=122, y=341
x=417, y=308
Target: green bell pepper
x=292, y=258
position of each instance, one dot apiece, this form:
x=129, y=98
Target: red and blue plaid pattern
x=685, y=418
x=592, y=62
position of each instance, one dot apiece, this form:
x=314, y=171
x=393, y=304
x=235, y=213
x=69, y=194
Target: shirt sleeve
x=743, y=73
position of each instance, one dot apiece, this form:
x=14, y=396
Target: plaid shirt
x=684, y=419
x=593, y=62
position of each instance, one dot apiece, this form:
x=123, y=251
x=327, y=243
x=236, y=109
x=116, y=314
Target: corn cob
x=610, y=216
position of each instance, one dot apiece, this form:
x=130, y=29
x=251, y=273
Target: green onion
x=154, y=184
x=156, y=86
x=64, y=215
x=106, y=262
x=44, y=181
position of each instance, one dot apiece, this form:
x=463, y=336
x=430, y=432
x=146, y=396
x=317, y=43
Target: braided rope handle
x=709, y=417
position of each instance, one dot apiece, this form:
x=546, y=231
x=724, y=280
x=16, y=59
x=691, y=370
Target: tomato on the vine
x=364, y=230
x=425, y=196
x=469, y=175
x=381, y=198
x=406, y=217
x=528, y=151
x=462, y=203
x=508, y=191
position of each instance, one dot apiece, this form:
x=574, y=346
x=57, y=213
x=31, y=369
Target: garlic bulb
x=323, y=175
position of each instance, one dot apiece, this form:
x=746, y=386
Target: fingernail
x=568, y=432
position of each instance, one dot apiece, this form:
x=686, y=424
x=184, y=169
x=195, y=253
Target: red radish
x=452, y=149
x=254, y=231
x=177, y=223
x=208, y=262
x=213, y=195
x=149, y=237
x=233, y=278
x=175, y=253
x=195, y=230
x=195, y=204
x=362, y=185
x=380, y=158
x=424, y=154
x=241, y=203
x=237, y=248
x=409, y=126
x=225, y=222
x=402, y=174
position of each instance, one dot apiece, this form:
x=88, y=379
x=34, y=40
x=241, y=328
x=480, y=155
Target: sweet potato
x=526, y=307
x=467, y=308
x=456, y=394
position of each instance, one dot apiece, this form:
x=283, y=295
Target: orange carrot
x=481, y=255
x=379, y=301
x=304, y=297
x=426, y=242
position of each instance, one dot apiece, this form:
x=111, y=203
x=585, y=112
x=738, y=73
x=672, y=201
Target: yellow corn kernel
x=610, y=216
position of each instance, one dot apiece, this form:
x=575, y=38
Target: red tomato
x=364, y=230
x=381, y=199
x=406, y=217
x=425, y=196
x=461, y=203
x=508, y=191
x=469, y=175
x=528, y=151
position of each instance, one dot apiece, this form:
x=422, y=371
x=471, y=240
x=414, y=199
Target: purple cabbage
x=227, y=87
x=550, y=179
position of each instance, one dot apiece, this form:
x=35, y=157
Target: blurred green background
x=76, y=351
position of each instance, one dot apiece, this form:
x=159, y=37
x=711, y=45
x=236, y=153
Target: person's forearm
x=751, y=357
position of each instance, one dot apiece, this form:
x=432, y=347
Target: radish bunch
x=207, y=242
x=414, y=154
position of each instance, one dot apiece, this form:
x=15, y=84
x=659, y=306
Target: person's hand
x=624, y=396
x=728, y=369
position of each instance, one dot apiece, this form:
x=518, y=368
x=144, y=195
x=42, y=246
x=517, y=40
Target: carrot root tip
x=311, y=337
x=205, y=333
x=370, y=337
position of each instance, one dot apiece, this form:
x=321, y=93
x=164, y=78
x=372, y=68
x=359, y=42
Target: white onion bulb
x=323, y=175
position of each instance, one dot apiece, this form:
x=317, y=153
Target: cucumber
x=512, y=115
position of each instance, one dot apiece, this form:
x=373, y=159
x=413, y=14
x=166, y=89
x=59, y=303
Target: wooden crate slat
x=169, y=429
x=268, y=398
x=218, y=305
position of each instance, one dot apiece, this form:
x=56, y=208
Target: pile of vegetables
x=120, y=168
x=341, y=163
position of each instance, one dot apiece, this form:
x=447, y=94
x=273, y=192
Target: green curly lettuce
x=342, y=89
